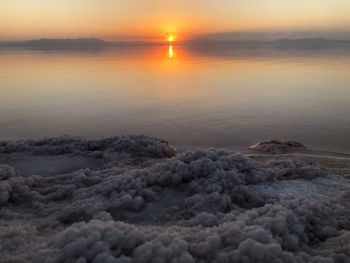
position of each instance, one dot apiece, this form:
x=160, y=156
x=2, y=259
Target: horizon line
x=199, y=38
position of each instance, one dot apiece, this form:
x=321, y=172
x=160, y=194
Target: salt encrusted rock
x=197, y=206
x=6, y=173
x=276, y=147
x=137, y=145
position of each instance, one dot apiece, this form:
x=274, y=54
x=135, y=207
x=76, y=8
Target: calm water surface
x=190, y=97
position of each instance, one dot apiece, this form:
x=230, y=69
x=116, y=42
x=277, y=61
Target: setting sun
x=171, y=39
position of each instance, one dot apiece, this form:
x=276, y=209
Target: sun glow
x=170, y=38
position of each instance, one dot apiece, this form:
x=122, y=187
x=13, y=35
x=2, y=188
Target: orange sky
x=155, y=19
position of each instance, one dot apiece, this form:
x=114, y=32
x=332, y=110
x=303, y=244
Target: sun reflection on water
x=171, y=53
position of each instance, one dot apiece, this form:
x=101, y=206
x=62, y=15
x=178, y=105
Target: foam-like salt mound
x=147, y=204
x=276, y=147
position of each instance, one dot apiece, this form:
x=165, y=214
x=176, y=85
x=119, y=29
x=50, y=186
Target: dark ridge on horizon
x=95, y=43
x=52, y=43
x=278, y=43
x=73, y=43
x=137, y=43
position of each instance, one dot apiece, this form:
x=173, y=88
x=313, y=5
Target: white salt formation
x=140, y=201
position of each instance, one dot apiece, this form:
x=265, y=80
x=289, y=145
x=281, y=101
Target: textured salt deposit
x=140, y=201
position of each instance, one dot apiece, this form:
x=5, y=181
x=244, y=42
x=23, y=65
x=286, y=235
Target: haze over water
x=223, y=97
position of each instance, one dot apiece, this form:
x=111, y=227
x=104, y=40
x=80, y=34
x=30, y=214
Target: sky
x=154, y=20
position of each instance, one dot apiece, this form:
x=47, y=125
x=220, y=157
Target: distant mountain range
x=58, y=43
x=78, y=43
x=94, y=43
x=279, y=43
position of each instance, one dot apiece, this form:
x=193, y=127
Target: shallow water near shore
x=192, y=97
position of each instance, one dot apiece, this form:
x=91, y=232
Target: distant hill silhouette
x=137, y=43
x=279, y=43
x=79, y=43
x=94, y=43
